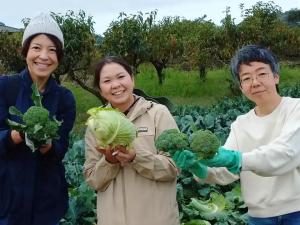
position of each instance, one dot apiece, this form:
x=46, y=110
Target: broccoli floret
x=171, y=140
x=37, y=125
x=43, y=131
x=36, y=115
x=51, y=128
x=205, y=144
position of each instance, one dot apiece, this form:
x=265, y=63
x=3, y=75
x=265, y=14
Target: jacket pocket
x=145, y=140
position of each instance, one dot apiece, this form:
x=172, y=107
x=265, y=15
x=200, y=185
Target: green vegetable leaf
x=14, y=111
x=37, y=128
x=15, y=126
x=36, y=96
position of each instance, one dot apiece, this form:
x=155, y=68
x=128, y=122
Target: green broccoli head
x=51, y=128
x=43, y=132
x=36, y=115
x=205, y=144
x=171, y=140
x=37, y=125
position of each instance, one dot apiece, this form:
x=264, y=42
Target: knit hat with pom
x=43, y=24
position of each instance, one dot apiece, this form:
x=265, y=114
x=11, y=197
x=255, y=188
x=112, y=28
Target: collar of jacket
x=140, y=108
x=27, y=81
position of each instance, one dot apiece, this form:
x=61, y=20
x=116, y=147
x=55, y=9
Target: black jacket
x=33, y=188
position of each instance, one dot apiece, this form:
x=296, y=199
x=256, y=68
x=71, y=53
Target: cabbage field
x=199, y=204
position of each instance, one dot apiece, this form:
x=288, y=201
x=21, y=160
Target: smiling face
x=41, y=58
x=258, y=82
x=116, y=86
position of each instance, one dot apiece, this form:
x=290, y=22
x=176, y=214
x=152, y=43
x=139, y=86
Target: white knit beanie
x=43, y=23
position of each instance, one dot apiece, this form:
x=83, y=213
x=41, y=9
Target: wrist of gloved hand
x=199, y=170
x=186, y=160
x=226, y=158
x=183, y=158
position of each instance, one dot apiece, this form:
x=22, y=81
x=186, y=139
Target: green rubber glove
x=226, y=158
x=186, y=160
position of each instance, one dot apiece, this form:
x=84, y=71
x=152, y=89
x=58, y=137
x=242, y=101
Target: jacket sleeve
x=67, y=115
x=155, y=165
x=279, y=156
x=97, y=171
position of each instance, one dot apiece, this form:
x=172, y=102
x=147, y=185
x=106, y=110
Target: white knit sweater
x=270, y=177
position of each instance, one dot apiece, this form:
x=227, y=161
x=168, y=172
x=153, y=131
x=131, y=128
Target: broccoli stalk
x=37, y=126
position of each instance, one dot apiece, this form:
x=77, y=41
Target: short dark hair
x=253, y=53
x=107, y=60
x=55, y=40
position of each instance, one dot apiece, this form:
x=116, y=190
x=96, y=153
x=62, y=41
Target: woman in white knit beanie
x=33, y=189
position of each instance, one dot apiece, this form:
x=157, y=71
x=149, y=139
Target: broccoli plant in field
x=37, y=126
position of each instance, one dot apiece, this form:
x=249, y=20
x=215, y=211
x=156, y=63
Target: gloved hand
x=225, y=158
x=186, y=160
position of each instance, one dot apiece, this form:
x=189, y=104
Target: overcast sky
x=105, y=11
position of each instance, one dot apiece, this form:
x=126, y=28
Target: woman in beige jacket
x=137, y=187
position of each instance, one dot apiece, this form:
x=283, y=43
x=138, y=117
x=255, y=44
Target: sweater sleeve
x=97, y=171
x=155, y=165
x=282, y=154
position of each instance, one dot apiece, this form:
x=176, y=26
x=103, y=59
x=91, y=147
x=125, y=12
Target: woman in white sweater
x=265, y=144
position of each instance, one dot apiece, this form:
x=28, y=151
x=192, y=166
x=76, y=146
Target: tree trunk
x=202, y=73
x=84, y=86
x=159, y=66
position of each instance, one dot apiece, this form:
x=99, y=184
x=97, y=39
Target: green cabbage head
x=110, y=127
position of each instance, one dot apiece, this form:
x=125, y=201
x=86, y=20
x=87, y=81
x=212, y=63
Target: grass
x=183, y=88
x=289, y=75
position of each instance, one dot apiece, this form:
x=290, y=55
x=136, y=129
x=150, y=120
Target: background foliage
x=186, y=60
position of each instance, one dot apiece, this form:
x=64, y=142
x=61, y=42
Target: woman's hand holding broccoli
x=187, y=160
x=226, y=158
x=45, y=148
x=16, y=137
x=203, y=151
x=38, y=127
